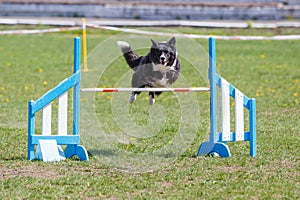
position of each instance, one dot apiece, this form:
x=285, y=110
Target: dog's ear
x=154, y=44
x=172, y=42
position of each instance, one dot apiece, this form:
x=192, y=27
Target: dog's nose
x=162, y=58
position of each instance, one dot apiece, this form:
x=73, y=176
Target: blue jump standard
x=215, y=143
x=73, y=147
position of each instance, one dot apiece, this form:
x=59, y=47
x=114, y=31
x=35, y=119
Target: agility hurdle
x=218, y=139
x=217, y=142
x=60, y=92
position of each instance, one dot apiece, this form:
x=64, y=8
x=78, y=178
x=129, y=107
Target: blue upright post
x=213, y=146
x=31, y=119
x=76, y=149
x=252, y=128
x=76, y=95
x=213, y=93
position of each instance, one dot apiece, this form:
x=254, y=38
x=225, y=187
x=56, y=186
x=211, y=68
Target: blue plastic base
x=220, y=148
x=77, y=150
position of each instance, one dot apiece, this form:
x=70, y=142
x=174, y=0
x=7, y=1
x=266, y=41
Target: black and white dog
x=159, y=68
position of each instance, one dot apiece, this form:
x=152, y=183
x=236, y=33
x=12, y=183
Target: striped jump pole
x=193, y=89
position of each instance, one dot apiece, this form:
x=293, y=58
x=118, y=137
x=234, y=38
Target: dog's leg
x=151, y=99
x=157, y=93
x=132, y=97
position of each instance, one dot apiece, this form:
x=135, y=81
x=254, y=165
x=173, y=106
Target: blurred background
x=155, y=9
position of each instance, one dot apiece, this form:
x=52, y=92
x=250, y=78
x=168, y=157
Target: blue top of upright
x=76, y=54
x=213, y=95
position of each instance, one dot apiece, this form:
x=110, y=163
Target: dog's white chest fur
x=163, y=82
x=160, y=68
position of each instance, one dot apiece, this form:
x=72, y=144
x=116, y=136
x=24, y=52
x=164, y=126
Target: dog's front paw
x=132, y=97
x=151, y=100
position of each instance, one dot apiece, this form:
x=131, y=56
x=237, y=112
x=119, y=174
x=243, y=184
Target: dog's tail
x=131, y=57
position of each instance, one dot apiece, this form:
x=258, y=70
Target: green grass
x=267, y=70
x=237, y=31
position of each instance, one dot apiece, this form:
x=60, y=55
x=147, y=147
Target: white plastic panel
x=239, y=115
x=48, y=151
x=46, y=120
x=225, y=109
x=63, y=114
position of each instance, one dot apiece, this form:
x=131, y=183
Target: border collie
x=159, y=68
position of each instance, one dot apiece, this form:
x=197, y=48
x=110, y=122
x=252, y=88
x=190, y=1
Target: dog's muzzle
x=162, y=59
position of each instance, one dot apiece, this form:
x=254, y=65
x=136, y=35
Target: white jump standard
x=217, y=142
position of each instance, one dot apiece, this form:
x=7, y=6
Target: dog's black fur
x=159, y=68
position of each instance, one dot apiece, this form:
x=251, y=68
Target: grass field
x=30, y=65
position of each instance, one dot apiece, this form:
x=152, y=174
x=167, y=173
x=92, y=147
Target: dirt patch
x=287, y=164
x=28, y=171
x=290, y=110
x=166, y=184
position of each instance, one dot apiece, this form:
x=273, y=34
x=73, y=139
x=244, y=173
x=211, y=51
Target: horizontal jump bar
x=193, y=89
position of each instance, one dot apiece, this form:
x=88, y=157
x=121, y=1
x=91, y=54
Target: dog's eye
x=165, y=53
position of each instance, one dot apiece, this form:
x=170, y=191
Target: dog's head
x=163, y=53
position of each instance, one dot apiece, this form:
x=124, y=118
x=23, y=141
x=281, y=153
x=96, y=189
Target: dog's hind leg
x=132, y=97
x=157, y=93
x=151, y=99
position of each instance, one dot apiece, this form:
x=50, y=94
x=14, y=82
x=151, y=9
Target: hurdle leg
x=252, y=122
x=76, y=150
x=207, y=148
x=31, y=119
